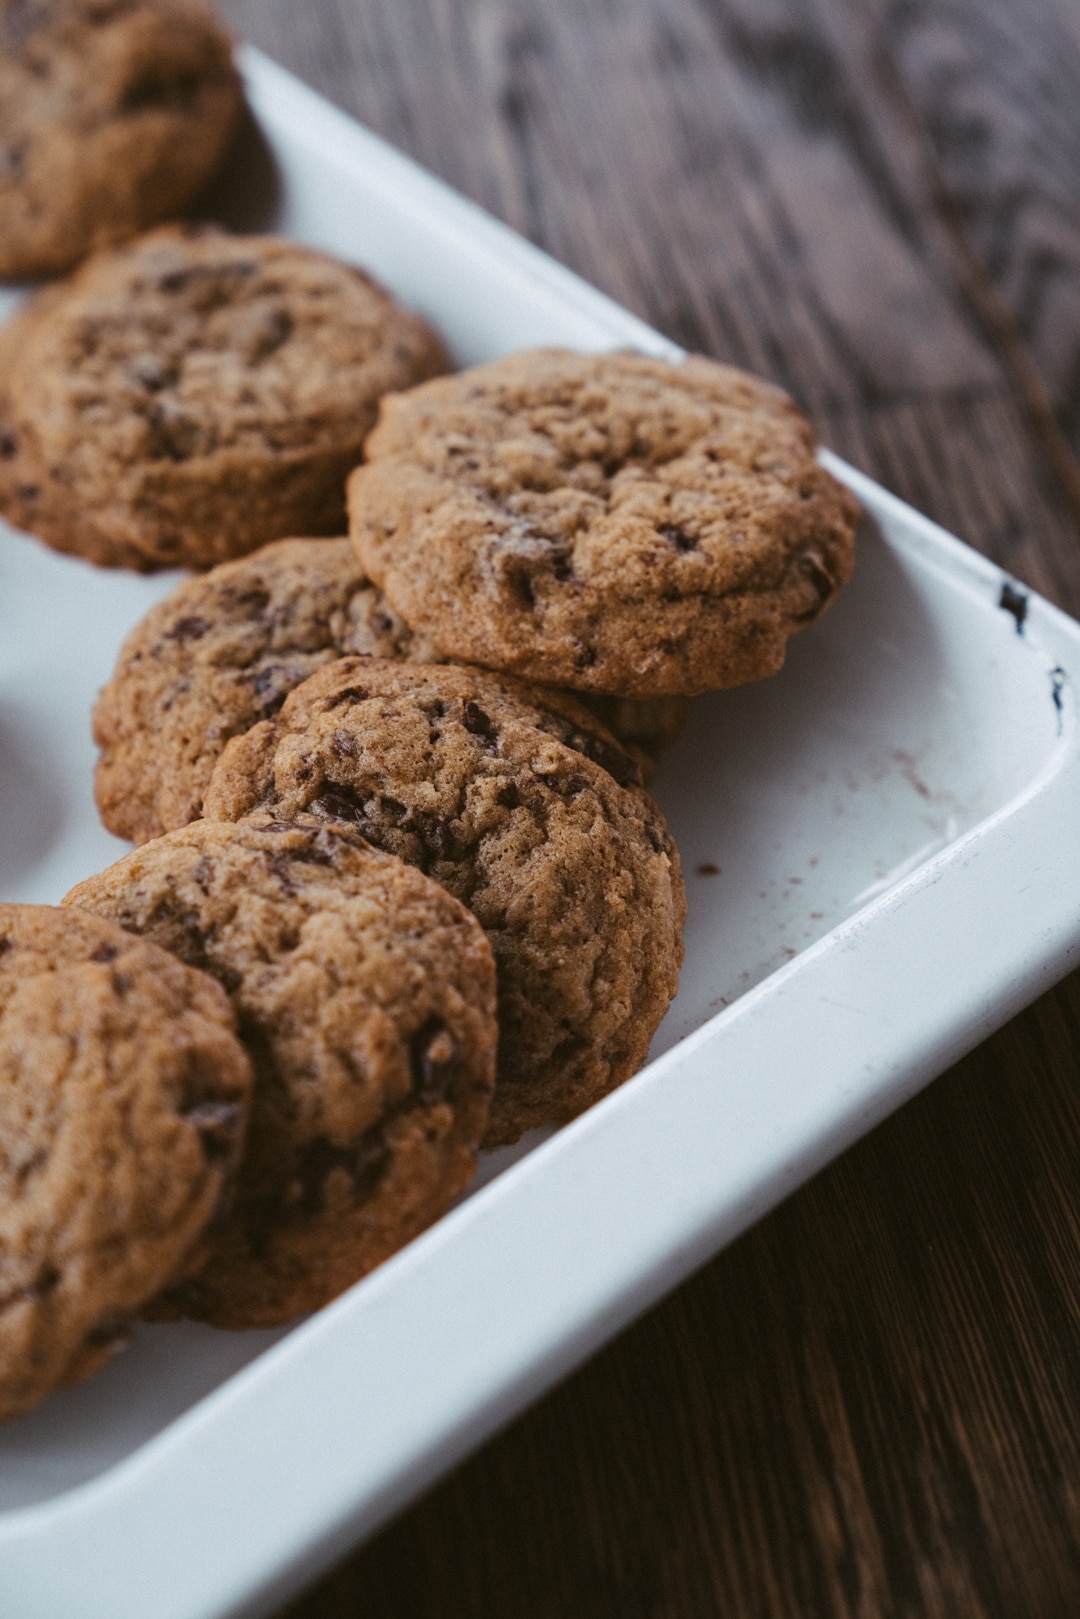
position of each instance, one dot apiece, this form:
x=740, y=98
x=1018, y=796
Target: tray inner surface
x=910, y=714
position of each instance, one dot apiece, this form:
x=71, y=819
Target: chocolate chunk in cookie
x=366, y=996
x=186, y=398
x=124, y=1094
x=113, y=114
x=524, y=807
x=608, y=523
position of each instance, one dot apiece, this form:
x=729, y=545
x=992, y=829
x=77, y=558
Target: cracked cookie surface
x=366, y=997
x=609, y=523
x=187, y=397
x=218, y=655
x=523, y=806
x=124, y=1094
x=113, y=114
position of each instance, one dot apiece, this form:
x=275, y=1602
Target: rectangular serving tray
x=880, y=848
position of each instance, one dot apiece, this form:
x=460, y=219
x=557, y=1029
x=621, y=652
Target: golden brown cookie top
x=366, y=995
x=123, y=1100
x=520, y=803
x=610, y=523
x=113, y=113
x=193, y=394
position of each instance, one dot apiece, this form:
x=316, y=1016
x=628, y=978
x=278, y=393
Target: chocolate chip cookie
x=123, y=1100
x=113, y=114
x=366, y=996
x=519, y=803
x=216, y=656
x=609, y=523
x=185, y=398
x=224, y=650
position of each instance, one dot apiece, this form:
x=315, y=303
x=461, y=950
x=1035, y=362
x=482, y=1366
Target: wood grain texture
x=996, y=83
x=868, y=1405
x=865, y=1407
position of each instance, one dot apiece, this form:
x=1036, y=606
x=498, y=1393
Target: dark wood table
x=871, y=1403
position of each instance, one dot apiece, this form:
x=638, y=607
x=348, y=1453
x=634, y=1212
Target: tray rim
x=130, y=1510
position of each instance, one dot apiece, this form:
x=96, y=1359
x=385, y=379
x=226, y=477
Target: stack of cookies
x=532, y=542
x=395, y=847
x=364, y=995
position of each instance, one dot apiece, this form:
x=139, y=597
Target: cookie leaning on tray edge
x=610, y=523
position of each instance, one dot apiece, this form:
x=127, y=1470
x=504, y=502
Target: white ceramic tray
x=894, y=821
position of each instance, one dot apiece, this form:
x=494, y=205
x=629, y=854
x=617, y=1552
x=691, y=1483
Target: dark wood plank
x=996, y=84
x=867, y=1406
